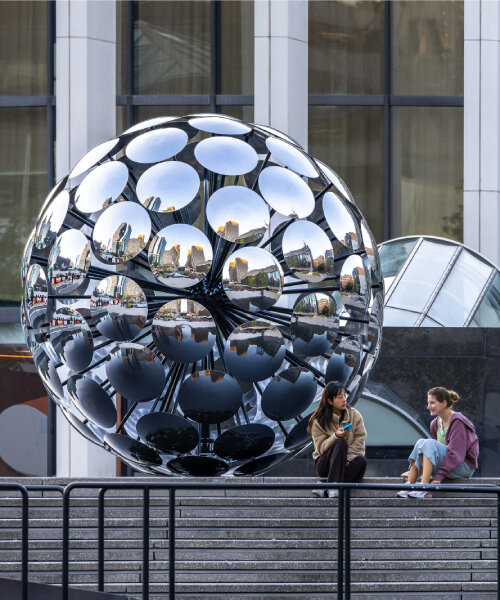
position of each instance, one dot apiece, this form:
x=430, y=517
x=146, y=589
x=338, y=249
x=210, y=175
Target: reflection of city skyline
x=119, y=291
x=121, y=244
x=178, y=258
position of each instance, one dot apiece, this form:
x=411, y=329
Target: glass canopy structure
x=437, y=282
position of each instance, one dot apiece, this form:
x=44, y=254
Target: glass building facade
x=385, y=110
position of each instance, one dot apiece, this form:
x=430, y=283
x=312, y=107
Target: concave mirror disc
x=254, y=351
x=36, y=296
x=226, y=155
x=93, y=157
x=135, y=372
x=180, y=256
x=51, y=220
x=244, y=441
x=168, y=186
x=288, y=394
x=132, y=449
x=344, y=361
x=119, y=308
x=154, y=146
x=355, y=286
x=209, y=397
x=220, y=125
x=121, y=232
x=184, y=330
x=71, y=338
x=341, y=221
x=237, y=214
x=69, y=262
x=314, y=324
x=102, y=186
x=260, y=465
x=252, y=278
x=286, y=192
x=92, y=400
x=307, y=251
x=290, y=156
x=167, y=433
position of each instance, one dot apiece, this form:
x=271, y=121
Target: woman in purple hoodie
x=453, y=450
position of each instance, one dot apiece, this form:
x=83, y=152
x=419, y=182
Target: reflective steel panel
x=298, y=435
x=238, y=214
x=167, y=433
x=121, y=232
x=260, y=465
x=92, y=400
x=344, y=362
x=69, y=262
x=135, y=372
x=244, y=441
x=220, y=125
x=184, y=330
x=290, y=156
x=51, y=220
x=26, y=260
x=276, y=133
x=376, y=322
x=180, y=256
x=198, y=466
x=81, y=427
x=168, y=186
x=36, y=296
x=371, y=247
x=252, y=278
x=307, y=251
x=119, y=308
x=286, y=192
x=92, y=157
x=143, y=125
x=157, y=145
x=226, y=155
x=288, y=394
x=336, y=180
x=131, y=449
x=314, y=324
x=71, y=338
x=254, y=351
x=355, y=285
x=341, y=221
x=49, y=375
x=209, y=397
x=102, y=186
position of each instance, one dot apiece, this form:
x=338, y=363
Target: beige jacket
x=323, y=438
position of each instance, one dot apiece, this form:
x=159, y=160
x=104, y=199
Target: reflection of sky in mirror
x=123, y=229
x=304, y=234
x=340, y=220
x=179, y=244
x=256, y=259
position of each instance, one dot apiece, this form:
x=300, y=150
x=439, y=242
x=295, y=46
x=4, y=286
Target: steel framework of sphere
x=189, y=289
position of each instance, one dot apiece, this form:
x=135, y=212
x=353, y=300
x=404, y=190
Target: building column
x=482, y=127
x=281, y=60
x=85, y=117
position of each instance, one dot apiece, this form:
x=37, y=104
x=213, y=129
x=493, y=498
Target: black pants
x=334, y=466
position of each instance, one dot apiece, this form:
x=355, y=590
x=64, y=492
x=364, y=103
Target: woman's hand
x=340, y=433
x=436, y=482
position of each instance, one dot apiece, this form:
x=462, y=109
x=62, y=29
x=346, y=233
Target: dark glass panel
x=23, y=48
x=245, y=113
x=23, y=186
x=427, y=53
x=346, y=47
x=149, y=112
x=121, y=47
x=172, y=48
x=427, y=171
x=236, y=47
x=350, y=139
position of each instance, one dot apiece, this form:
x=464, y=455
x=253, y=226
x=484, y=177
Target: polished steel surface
x=355, y=285
x=220, y=124
x=94, y=156
x=286, y=192
x=290, y=156
x=341, y=221
x=226, y=155
x=51, y=220
x=168, y=186
x=314, y=324
x=69, y=262
x=71, y=338
x=102, y=186
x=154, y=146
x=307, y=251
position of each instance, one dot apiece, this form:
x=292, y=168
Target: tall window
x=178, y=57
x=386, y=109
x=26, y=174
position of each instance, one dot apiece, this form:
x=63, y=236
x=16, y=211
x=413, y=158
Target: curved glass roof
x=436, y=282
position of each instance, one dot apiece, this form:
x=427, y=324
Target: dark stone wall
x=467, y=360
x=413, y=360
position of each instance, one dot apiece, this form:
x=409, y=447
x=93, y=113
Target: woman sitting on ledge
x=453, y=451
x=339, y=435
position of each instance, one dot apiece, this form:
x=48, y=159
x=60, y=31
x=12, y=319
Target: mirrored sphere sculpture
x=190, y=288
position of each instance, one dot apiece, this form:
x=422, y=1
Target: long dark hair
x=324, y=413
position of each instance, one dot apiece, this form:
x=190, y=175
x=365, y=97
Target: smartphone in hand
x=347, y=427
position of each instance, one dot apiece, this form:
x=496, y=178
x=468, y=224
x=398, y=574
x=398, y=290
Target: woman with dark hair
x=339, y=435
x=452, y=451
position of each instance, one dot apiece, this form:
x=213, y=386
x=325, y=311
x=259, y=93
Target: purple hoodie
x=462, y=443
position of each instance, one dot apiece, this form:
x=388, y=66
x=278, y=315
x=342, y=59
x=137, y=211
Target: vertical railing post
x=24, y=543
x=347, y=542
x=65, y=544
x=340, y=545
x=171, y=544
x=498, y=545
x=100, y=540
x=145, y=544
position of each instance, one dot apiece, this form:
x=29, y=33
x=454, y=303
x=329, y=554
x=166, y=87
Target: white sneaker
x=404, y=493
x=332, y=493
x=319, y=492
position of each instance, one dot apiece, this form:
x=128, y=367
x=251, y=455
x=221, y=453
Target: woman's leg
x=427, y=468
x=413, y=473
x=331, y=464
x=355, y=469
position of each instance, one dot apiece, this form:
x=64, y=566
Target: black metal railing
x=343, y=591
